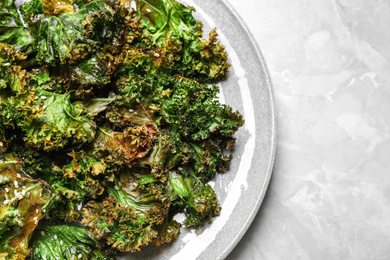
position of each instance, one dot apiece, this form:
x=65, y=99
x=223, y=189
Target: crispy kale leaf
x=12, y=74
x=62, y=120
x=125, y=147
x=72, y=35
x=198, y=199
x=66, y=242
x=120, y=226
x=49, y=120
x=32, y=10
x=22, y=202
x=132, y=216
x=167, y=19
x=173, y=28
x=13, y=30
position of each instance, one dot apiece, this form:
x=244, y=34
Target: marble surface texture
x=329, y=196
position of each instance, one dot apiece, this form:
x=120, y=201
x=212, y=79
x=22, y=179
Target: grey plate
x=241, y=190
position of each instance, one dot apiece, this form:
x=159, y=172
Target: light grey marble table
x=329, y=197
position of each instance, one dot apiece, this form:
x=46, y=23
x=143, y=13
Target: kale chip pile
x=109, y=126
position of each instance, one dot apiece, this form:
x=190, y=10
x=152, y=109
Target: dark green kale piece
x=190, y=193
x=173, y=28
x=67, y=242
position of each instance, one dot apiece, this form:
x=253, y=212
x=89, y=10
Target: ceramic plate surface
x=242, y=189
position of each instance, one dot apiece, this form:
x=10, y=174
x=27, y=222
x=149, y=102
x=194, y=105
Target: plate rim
x=271, y=159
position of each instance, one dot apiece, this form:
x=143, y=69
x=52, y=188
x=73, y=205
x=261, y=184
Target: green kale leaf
x=173, y=28
x=23, y=201
x=198, y=199
x=66, y=242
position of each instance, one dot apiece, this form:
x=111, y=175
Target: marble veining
x=330, y=66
